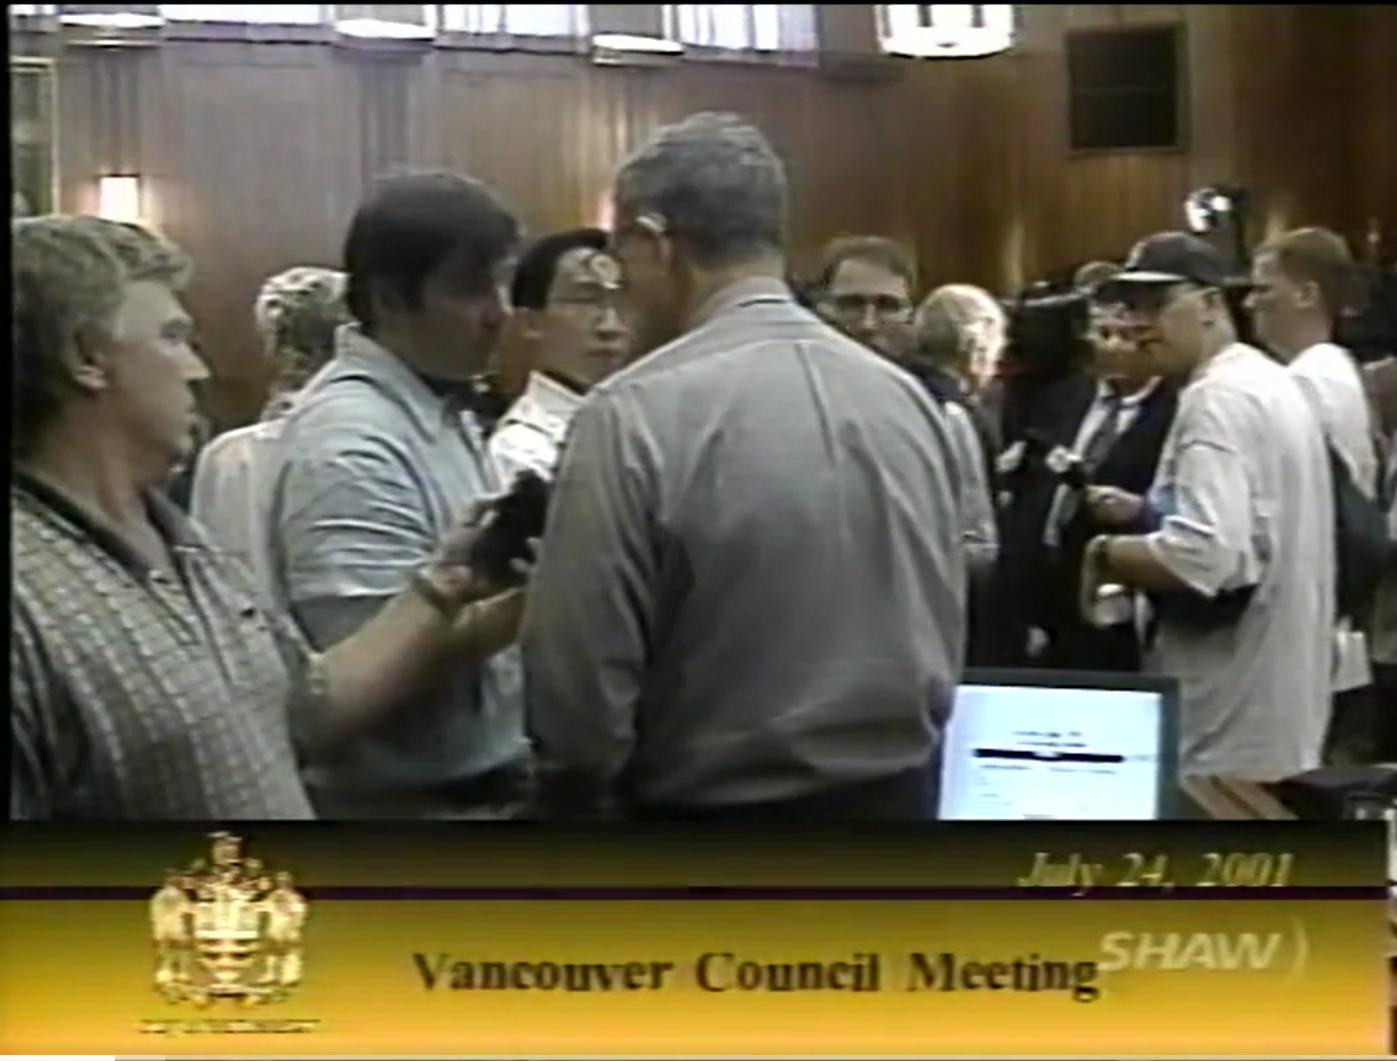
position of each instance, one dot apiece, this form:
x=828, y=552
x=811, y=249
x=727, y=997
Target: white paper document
x=1031, y=752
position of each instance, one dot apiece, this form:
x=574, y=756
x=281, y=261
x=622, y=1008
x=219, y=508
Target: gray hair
x=70, y=275
x=297, y=313
x=716, y=184
x=946, y=324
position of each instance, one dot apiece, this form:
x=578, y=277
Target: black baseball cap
x=1173, y=258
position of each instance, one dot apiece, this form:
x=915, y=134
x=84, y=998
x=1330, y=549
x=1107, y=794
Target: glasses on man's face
x=886, y=307
x=592, y=304
x=1149, y=302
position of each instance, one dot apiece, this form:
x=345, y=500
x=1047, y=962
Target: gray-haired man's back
x=752, y=588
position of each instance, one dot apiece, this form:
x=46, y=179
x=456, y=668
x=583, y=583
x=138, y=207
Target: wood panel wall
x=255, y=154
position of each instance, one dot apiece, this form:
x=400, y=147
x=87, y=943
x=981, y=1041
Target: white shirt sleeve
x=1209, y=539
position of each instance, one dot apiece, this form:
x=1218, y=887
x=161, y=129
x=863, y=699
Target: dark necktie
x=1099, y=443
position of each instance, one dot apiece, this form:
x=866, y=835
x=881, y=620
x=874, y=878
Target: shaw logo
x=1250, y=952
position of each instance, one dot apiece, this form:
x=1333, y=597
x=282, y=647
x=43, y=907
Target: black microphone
x=513, y=521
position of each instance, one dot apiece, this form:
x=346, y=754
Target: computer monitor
x=1060, y=746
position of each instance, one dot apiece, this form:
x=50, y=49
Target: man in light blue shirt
x=380, y=454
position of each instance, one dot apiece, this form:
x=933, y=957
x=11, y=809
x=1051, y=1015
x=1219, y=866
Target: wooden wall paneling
x=1040, y=126
x=1092, y=16
x=1321, y=89
x=517, y=129
x=1110, y=199
x=1372, y=122
x=1212, y=95
x=982, y=98
x=638, y=96
x=77, y=137
x=115, y=82
x=1155, y=14
x=257, y=150
x=1293, y=99
x=605, y=137
x=271, y=167
x=880, y=141
x=385, y=112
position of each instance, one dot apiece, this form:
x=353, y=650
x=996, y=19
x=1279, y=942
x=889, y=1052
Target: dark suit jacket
x=1020, y=593
x=1130, y=465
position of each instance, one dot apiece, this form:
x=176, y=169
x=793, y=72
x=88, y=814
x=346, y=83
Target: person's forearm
x=404, y=648
x=1148, y=520
x=1130, y=561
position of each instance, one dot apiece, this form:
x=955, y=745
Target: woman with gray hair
x=297, y=313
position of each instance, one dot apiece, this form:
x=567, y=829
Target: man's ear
x=85, y=361
x=656, y=230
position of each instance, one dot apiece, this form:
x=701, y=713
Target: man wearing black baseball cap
x=1242, y=562
x=1161, y=274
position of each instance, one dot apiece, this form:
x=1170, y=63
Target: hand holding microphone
x=490, y=550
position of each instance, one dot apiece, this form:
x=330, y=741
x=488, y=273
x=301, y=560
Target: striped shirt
x=137, y=694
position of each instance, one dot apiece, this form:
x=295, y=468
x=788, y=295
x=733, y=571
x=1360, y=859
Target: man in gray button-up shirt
x=751, y=594
x=377, y=457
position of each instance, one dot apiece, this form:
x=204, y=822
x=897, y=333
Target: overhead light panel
x=386, y=22
x=111, y=16
x=947, y=31
x=629, y=42
x=380, y=30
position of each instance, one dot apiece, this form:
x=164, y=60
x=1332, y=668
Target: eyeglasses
x=889, y=307
x=1152, y=300
x=594, y=304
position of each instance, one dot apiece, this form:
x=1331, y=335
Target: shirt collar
x=358, y=354
x=1104, y=393
x=174, y=526
x=738, y=293
x=1223, y=357
x=1318, y=350
x=545, y=395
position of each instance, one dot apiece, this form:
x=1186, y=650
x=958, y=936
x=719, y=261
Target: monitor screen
x=1058, y=747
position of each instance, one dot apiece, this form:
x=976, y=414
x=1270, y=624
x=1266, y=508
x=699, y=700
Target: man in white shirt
x=1243, y=560
x=1302, y=282
x=297, y=313
x=565, y=295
